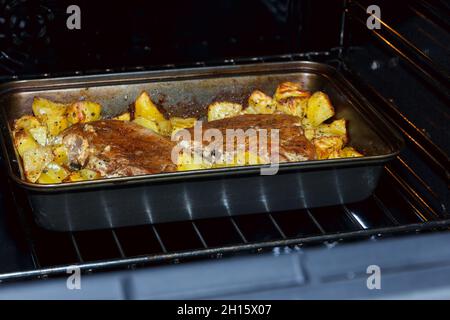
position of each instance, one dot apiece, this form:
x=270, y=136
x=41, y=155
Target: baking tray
x=165, y=197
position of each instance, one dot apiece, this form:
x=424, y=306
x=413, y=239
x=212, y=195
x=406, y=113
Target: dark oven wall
x=406, y=61
x=35, y=39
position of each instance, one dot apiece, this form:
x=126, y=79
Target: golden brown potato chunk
x=51, y=114
x=290, y=90
x=181, y=123
x=60, y=154
x=32, y=126
x=165, y=127
x=126, y=116
x=291, y=99
x=83, y=111
x=293, y=106
x=319, y=108
x=26, y=122
x=53, y=173
x=349, y=152
x=186, y=162
x=147, y=123
x=223, y=109
x=328, y=147
x=83, y=175
x=23, y=142
x=35, y=160
x=260, y=103
x=145, y=108
x=336, y=128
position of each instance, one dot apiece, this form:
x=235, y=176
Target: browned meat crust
x=293, y=145
x=117, y=148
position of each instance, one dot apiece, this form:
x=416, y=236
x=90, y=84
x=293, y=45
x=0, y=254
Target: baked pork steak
x=117, y=148
x=292, y=144
x=120, y=148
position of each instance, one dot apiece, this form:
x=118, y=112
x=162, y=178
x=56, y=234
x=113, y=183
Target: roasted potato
x=309, y=133
x=165, y=127
x=35, y=160
x=83, y=175
x=290, y=90
x=223, y=109
x=60, y=155
x=51, y=114
x=31, y=125
x=26, y=122
x=240, y=159
x=336, y=128
x=319, y=108
x=123, y=117
x=181, y=123
x=145, y=108
x=39, y=134
x=259, y=103
x=328, y=147
x=291, y=99
x=23, y=142
x=349, y=152
x=53, y=173
x=147, y=123
x=293, y=106
x=306, y=123
x=83, y=111
x=185, y=162
x=308, y=129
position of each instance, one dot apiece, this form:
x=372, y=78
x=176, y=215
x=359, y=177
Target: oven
x=397, y=60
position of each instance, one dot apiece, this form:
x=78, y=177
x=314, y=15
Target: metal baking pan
x=126, y=201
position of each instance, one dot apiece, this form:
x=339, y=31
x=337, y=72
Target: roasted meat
x=117, y=148
x=293, y=145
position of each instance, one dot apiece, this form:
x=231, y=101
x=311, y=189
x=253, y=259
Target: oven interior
x=401, y=68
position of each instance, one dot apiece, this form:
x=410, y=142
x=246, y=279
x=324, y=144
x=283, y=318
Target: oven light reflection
x=357, y=218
